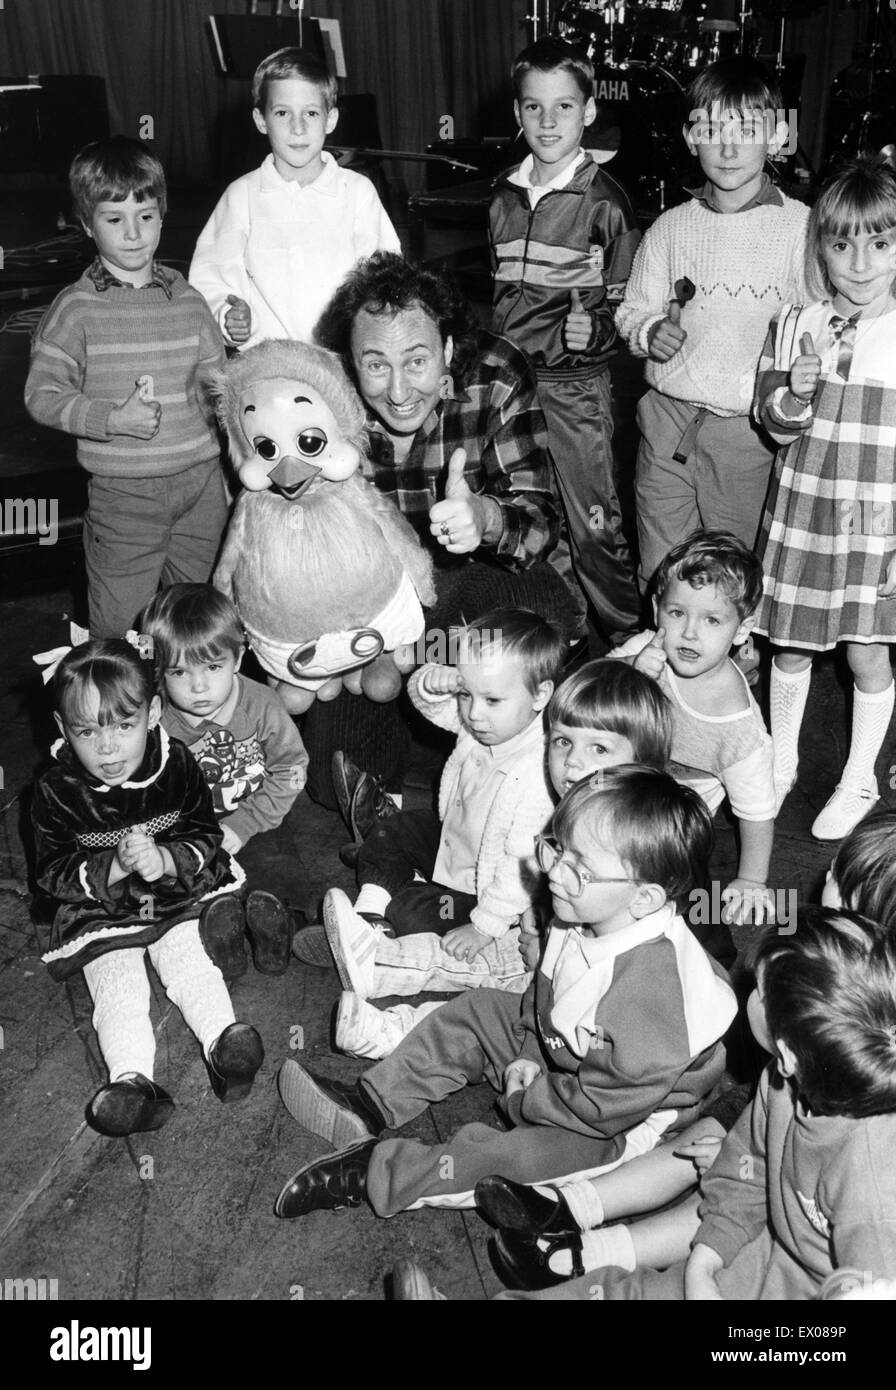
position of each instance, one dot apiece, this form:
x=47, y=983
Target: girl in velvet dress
x=128, y=846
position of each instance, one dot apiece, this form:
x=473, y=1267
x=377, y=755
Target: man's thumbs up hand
x=577, y=326
x=459, y=522
x=456, y=483
x=652, y=658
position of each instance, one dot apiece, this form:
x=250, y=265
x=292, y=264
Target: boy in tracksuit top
x=617, y=1042
x=563, y=237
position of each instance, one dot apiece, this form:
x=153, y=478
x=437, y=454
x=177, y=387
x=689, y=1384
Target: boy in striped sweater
x=121, y=360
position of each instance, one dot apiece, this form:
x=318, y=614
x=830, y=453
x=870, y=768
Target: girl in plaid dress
x=826, y=391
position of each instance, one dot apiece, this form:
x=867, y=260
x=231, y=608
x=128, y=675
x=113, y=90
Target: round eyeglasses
x=548, y=853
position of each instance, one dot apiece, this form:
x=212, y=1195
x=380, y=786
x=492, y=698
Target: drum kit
x=863, y=96
x=680, y=36
x=645, y=53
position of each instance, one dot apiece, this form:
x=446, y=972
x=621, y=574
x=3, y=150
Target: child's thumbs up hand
x=238, y=320
x=138, y=416
x=577, y=326
x=652, y=658
x=666, y=337
x=803, y=376
x=459, y=522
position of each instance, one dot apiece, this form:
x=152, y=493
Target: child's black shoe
x=233, y=1061
x=513, y=1206
x=129, y=1105
x=270, y=931
x=328, y=1184
x=523, y=1264
x=221, y=926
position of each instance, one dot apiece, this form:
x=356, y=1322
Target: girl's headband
x=49, y=661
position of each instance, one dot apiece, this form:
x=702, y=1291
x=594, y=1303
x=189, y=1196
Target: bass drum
x=639, y=115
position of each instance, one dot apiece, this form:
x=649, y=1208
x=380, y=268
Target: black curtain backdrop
x=423, y=59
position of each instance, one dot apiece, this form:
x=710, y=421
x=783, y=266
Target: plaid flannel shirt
x=103, y=279
x=496, y=418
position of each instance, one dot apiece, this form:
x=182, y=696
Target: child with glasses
x=604, y=714
x=615, y=1044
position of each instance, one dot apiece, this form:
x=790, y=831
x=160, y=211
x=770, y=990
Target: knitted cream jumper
x=89, y=351
x=744, y=266
x=506, y=872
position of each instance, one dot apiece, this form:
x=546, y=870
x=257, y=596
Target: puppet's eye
x=311, y=442
x=265, y=448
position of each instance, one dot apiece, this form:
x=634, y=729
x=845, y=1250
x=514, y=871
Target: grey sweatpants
x=721, y=485
x=469, y=1039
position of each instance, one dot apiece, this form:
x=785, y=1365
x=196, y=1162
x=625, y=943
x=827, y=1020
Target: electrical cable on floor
x=53, y=251
x=24, y=320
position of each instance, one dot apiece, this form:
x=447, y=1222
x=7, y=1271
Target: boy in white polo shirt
x=285, y=236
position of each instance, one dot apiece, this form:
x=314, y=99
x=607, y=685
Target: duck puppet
x=328, y=576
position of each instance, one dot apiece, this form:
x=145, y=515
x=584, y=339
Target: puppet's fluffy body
x=331, y=560
x=327, y=564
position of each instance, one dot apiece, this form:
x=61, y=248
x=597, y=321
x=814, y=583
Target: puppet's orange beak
x=292, y=477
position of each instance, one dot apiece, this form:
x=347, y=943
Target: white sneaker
x=365, y=1031
x=844, y=810
x=352, y=941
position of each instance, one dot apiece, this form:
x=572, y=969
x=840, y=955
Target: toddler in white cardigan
x=452, y=886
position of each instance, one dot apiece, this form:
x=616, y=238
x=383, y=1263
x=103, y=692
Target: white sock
x=787, y=703
x=585, y=1206
x=870, y=721
x=612, y=1246
x=373, y=898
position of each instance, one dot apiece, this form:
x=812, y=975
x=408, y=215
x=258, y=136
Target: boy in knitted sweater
x=707, y=279
x=121, y=360
x=468, y=873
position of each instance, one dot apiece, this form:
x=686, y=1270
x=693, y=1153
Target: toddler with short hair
x=247, y=746
x=706, y=592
